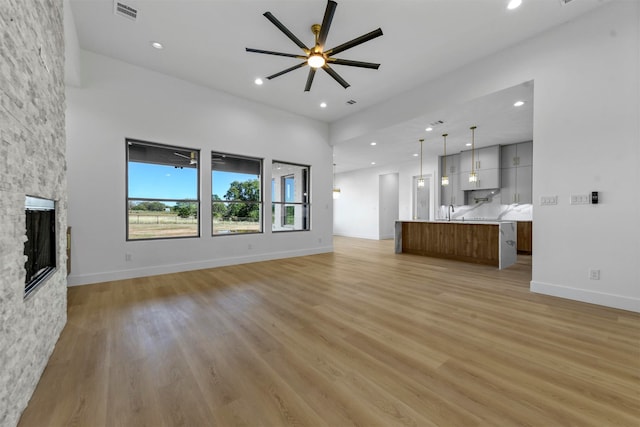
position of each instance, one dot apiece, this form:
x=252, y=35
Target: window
x=290, y=192
x=236, y=194
x=162, y=191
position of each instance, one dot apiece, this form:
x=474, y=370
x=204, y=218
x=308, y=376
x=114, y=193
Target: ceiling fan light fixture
x=316, y=61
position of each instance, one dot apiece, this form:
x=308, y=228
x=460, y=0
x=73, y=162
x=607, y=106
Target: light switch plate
x=548, y=200
x=580, y=199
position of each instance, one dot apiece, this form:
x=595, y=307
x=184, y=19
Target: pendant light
x=336, y=190
x=421, y=179
x=473, y=177
x=445, y=178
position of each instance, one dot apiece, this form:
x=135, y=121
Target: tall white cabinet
x=516, y=167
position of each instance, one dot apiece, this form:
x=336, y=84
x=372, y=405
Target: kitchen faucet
x=449, y=210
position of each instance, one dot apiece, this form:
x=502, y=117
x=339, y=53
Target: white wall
x=356, y=212
x=117, y=101
x=586, y=133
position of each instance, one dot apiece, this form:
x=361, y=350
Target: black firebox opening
x=40, y=247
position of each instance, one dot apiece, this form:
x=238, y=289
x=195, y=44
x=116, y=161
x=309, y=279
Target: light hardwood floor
x=362, y=336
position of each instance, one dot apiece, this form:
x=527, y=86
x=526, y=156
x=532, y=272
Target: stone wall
x=32, y=162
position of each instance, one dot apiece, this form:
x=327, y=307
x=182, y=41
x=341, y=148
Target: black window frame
x=260, y=202
x=304, y=204
x=131, y=141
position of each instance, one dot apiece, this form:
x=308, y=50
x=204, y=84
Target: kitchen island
x=480, y=242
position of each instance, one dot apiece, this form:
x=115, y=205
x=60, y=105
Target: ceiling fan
x=192, y=158
x=317, y=56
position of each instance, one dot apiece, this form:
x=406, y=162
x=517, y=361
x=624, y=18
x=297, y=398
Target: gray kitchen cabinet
x=515, y=155
x=517, y=160
x=486, y=164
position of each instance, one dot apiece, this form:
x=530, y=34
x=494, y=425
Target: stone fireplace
x=32, y=163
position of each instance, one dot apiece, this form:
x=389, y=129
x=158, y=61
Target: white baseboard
x=86, y=279
x=357, y=236
x=592, y=297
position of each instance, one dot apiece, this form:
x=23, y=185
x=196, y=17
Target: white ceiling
x=205, y=43
x=498, y=121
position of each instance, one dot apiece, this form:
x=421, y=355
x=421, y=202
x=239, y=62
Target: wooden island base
x=490, y=243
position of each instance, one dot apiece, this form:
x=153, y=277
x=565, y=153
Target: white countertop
x=459, y=221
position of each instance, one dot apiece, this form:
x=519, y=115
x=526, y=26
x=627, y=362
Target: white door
x=389, y=205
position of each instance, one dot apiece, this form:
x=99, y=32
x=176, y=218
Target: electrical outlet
x=548, y=200
x=249, y=246
x=594, y=274
x=580, y=199
x=127, y=257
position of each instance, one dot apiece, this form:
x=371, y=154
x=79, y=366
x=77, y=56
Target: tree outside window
x=236, y=200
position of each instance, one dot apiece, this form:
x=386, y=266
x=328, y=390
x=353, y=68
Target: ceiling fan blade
x=326, y=22
x=336, y=76
x=270, y=52
x=312, y=73
x=295, y=67
x=354, y=63
x=355, y=42
x=285, y=30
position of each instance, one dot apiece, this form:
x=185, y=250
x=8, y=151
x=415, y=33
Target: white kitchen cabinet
x=451, y=194
x=486, y=164
x=516, y=173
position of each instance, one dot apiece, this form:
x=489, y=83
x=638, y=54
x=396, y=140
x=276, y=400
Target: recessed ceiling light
x=415, y=154
x=157, y=45
x=374, y=143
x=429, y=129
x=258, y=81
x=468, y=144
x=373, y=163
x=323, y=105
x=518, y=104
x=514, y=4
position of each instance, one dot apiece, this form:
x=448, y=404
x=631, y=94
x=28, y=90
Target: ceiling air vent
x=125, y=11
x=351, y=102
x=436, y=123
x=563, y=2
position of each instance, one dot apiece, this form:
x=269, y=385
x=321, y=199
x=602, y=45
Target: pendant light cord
x=421, y=141
x=445, y=152
x=473, y=149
